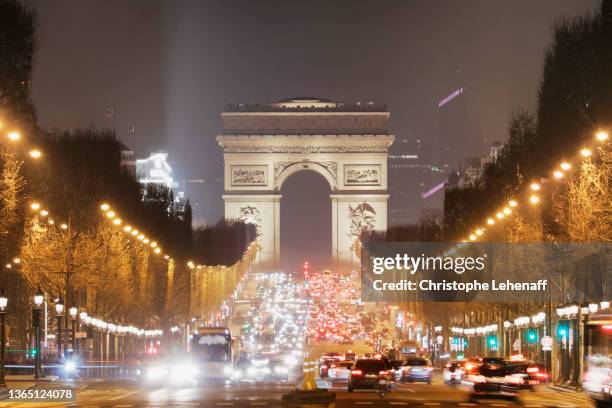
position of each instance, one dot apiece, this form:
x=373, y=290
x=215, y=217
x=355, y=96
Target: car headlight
x=281, y=370
x=70, y=366
x=227, y=370
x=155, y=372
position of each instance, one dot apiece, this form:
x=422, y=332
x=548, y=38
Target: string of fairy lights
x=533, y=198
x=43, y=214
x=132, y=231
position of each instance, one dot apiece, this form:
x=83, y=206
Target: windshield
x=212, y=347
x=370, y=366
x=416, y=362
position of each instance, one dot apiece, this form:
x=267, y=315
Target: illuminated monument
x=265, y=144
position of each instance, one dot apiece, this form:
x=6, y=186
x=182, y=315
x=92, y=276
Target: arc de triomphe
x=263, y=145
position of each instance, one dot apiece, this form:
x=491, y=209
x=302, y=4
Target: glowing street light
x=479, y=232
x=473, y=237
x=512, y=203
x=35, y=206
x=490, y=221
x=566, y=166
x=558, y=174
x=117, y=221
x=507, y=211
x=44, y=213
x=104, y=207
x=601, y=136
x=110, y=214
x=534, y=199
x=586, y=152
x=35, y=153
x=64, y=226
x=13, y=136
x=500, y=215
x=535, y=186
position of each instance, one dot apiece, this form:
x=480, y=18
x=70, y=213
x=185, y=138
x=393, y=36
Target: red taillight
x=532, y=369
x=448, y=365
x=332, y=366
x=383, y=372
x=356, y=372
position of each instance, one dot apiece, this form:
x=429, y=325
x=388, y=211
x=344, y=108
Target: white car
x=340, y=370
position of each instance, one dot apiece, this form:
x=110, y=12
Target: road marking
x=431, y=403
x=467, y=404
x=127, y=394
x=534, y=406
x=124, y=406
x=398, y=403
x=363, y=403
x=499, y=405
x=224, y=403
x=258, y=403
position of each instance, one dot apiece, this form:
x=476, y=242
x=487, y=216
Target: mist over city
x=206, y=203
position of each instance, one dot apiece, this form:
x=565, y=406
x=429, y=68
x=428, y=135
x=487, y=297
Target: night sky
x=168, y=67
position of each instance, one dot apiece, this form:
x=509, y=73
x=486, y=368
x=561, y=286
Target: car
x=340, y=370
x=395, y=366
x=367, y=373
x=453, y=372
x=491, y=379
x=416, y=369
x=325, y=365
x=350, y=356
x=526, y=374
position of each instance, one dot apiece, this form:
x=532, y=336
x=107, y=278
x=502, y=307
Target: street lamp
x=38, y=300
x=3, y=303
x=73, y=315
x=35, y=153
x=59, y=310
x=13, y=136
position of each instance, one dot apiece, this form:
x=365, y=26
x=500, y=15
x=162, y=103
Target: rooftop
x=305, y=104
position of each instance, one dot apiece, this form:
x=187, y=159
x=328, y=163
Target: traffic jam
x=338, y=319
x=272, y=332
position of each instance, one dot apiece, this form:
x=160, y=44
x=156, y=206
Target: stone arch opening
x=328, y=170
x=305, y=220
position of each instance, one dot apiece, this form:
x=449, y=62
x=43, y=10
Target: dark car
x=416, y=369
x=366, y=374
x=526, y=374
x=490, y=379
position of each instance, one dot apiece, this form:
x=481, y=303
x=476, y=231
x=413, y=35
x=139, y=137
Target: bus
x=212, y=352
x=597, y=380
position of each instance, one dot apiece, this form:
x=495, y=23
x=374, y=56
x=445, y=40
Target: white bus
x=211, y=352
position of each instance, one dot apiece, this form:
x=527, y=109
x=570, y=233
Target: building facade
x=263, y=145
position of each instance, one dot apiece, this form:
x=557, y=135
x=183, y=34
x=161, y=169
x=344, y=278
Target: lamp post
x=73, y=315
x=59, y=310
x=3, y=303
x=82, y=319
x=38, y=300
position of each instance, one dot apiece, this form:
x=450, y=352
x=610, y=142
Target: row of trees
x=574, y=100
x=88, y=261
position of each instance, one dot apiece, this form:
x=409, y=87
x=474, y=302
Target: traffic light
x=532, y=336
x=492, y=342
x=562, y=329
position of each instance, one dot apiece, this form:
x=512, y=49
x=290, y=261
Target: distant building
x=471, y=168
x=128, y=159
x=411, y=176
x=155, y=170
